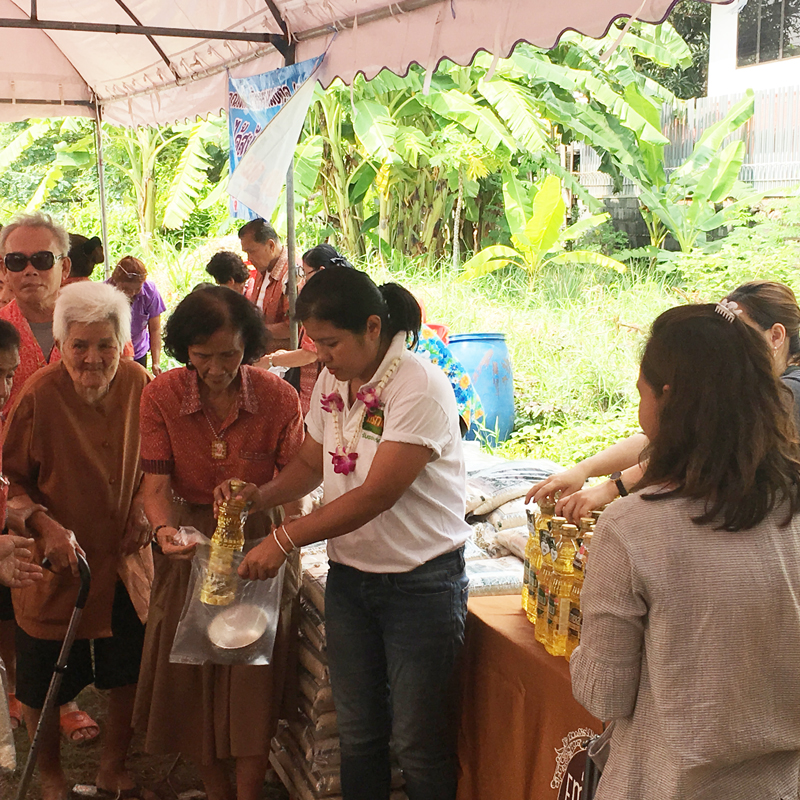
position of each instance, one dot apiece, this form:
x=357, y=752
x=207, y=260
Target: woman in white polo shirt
x=383, y=433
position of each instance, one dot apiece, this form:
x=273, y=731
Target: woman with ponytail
x=383, y=432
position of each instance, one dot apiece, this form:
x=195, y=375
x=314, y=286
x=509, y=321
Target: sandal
x=14, y=711
x=74, y=721
x=91, y=792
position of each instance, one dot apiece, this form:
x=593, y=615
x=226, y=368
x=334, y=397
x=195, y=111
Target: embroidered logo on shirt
x=373, y=422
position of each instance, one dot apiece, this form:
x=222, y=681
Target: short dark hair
x=225, y=266
x=9, y=336
x=81, y=254
x=347, y=298
x=260, y=230
x=725, y=430
x=203, y=312
x=325, y=256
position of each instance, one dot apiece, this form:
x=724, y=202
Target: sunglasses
x=43, y=260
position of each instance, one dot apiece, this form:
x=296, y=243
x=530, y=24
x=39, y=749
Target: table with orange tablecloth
x=520, y=725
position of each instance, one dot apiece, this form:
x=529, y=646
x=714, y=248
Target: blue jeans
x=393, y=643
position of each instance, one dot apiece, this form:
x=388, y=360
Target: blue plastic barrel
x=485, y=358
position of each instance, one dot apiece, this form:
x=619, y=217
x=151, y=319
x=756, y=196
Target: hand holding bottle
x=562, y=484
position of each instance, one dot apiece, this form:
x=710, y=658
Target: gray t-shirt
x=43, y=331
x=791, y=379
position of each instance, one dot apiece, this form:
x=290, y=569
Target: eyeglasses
x=43, y=260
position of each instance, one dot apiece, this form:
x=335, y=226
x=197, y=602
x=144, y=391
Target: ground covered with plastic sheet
x=170, y=777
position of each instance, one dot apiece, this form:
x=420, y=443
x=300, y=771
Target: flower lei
x=344, y=457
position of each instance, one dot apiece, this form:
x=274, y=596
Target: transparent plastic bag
x=241, y=632
x=8, y=755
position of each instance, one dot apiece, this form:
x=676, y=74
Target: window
x=769, y=30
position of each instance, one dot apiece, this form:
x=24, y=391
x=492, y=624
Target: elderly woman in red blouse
x=216, y=418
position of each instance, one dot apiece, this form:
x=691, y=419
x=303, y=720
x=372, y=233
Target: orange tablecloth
x=520, y=724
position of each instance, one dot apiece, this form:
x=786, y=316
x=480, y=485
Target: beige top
x=691, y=641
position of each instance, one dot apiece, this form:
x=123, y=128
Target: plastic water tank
x=485, y=358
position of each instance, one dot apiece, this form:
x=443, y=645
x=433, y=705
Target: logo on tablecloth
x=570, y=760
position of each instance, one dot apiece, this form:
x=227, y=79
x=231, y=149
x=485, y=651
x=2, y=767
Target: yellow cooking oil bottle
x=548, y=538
x=560, y=588
x=586, y=524
x=533, y=554
x=219, y=582
x=526, y=570
x=575, y=613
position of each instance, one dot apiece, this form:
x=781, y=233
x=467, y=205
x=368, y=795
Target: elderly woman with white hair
x=71, y=450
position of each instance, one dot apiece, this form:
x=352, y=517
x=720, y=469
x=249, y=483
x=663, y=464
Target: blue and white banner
x=252, y=105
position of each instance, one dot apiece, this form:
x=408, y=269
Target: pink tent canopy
x=60, y=56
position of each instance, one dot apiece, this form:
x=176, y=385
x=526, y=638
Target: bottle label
x=545, y=546
x=533, y=587
x=574, y=625
x=541, y=601
x=552, y=610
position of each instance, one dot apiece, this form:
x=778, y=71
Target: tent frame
x=282, y=43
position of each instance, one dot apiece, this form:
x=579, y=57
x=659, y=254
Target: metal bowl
x=238, y=626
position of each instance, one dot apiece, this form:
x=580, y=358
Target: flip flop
x=88, y=791
x=74, y=721
x=14, y=711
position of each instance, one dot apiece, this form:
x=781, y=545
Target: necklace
x=344, y=457
x=219, y=447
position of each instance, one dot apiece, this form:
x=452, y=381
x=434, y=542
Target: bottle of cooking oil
x=585, y=525
x=526, y=572
x=219, y=583
x=533, y=555
x=560, y=588
x=544, y=574
x=575, y=613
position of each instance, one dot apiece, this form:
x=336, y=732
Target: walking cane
x=58, y=671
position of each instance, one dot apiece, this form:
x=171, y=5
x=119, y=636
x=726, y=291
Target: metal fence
x=771, y=136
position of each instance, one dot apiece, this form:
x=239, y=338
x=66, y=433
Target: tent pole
x=291, y=247
x=101, y=179
x=291, y=243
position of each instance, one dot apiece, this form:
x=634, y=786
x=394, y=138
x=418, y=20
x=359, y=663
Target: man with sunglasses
x=35, y=266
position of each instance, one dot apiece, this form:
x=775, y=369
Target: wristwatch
x=617, y=478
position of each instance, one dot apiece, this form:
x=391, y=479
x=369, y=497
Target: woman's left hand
x=263, y=561
x=138, y=531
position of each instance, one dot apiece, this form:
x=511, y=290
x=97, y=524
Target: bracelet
x=278, y=542
x=286, y=533
x=158, y=528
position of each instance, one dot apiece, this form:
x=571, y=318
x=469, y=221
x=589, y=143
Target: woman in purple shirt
x=147, y=306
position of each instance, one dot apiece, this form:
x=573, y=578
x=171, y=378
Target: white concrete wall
x=724, y=77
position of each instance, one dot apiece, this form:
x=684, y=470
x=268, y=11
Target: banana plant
x=542, y=240
x=687, y=203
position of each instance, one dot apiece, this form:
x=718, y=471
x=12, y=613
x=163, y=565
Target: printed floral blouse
x=437, y=352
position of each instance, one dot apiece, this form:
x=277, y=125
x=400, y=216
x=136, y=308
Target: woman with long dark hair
x=691, y=617
x=383, y=432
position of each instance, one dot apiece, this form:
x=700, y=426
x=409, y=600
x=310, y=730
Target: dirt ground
x=168, y=776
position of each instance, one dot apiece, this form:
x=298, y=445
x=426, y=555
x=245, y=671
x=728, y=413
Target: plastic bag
x=495, y=576
x=485, y=537
x=501, y=483
x=509, y=515
x=8, y=755
x=242, y=632
x=514, y=540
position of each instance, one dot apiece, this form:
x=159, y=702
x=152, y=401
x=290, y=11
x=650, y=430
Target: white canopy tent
x=148, y=62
